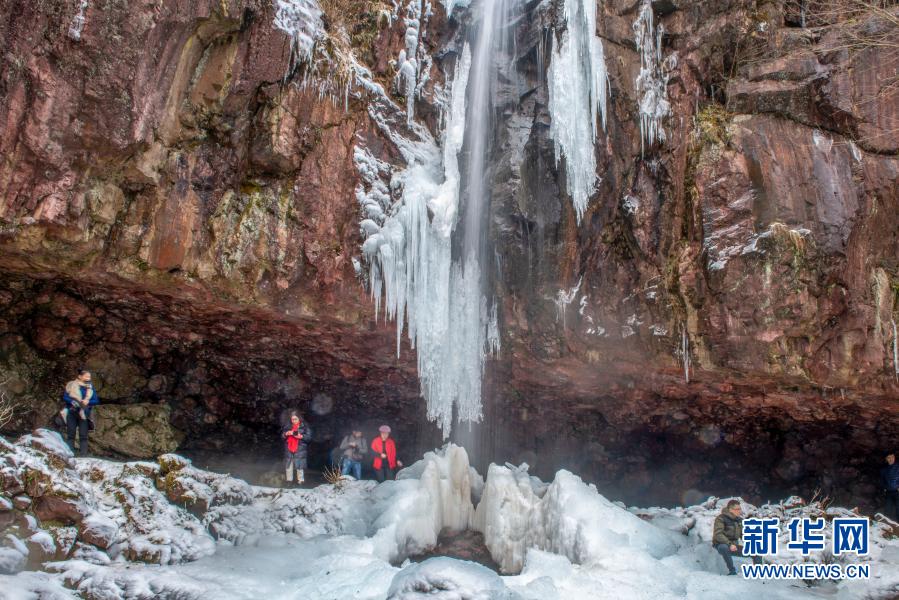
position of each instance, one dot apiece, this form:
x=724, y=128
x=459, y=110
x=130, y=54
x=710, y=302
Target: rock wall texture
x=178, y=213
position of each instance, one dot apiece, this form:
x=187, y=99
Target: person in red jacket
x=384, y=449
x=296, y=436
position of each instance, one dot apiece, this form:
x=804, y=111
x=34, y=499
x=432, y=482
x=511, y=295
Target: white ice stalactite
x=409, y=253
x=652, y=81
x=685, y=352
x=564, y=298
x=578, y=90
x=302, y=21
x=77, y=25
x=407, y=74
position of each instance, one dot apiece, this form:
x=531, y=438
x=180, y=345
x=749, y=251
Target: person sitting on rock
x=296, y=436
x=889, y=477
x=385, y=462
x=354, y=447
x=727, y=534
x=80, y=398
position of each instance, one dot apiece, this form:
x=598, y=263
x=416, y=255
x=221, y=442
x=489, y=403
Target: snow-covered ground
x=169, y=530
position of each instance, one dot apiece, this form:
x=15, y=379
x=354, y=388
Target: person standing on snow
x=296, y=435
x=727, y=534
x=384, y=448
x=354, y=448
x=889, y=477
x=79, y=398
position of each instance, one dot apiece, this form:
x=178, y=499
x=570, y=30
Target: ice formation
x=578, y=90
x=564, y=298
x=412, y=65
x=301, y=20
x=652, y=81
x=411, y=214
x=685, y=352
x=214, y=535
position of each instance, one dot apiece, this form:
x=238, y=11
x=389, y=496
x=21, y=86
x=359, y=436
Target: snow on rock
x=302, y=21
x=565, y=538
x=578, y=91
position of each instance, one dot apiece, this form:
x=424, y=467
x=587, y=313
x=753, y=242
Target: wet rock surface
x=181, y=220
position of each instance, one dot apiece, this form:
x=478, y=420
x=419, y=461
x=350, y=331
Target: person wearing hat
x=384, y=448
x=354, y=448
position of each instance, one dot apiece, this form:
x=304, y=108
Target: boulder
x=99, y=530
x=134, y=430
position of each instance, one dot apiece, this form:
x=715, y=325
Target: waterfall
x=578, y=89
x=428, y=252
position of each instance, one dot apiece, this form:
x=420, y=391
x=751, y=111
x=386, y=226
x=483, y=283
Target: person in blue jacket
x=80, y=398
x=889, y=477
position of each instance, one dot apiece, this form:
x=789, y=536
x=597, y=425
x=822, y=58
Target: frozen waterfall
x=578, y=88
x=652, y=81
x=427, y=251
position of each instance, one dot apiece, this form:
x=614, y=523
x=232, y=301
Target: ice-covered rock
x=448, y=579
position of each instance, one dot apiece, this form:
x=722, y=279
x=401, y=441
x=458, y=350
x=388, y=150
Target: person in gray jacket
x=354, y=448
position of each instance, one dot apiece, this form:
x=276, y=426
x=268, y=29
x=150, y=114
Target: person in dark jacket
x=354, y=448
x=889, y=478
x=296, y=436
x=80, y=398
x=727, y=534
x=384, y=448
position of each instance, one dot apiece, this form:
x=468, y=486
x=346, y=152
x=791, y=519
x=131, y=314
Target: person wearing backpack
x=79, y=398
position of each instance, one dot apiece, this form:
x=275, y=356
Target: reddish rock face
x=182, y=219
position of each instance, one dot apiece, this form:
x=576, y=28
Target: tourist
x=296, y=435
x=385, y=462
x=80, y=398
x=354, y=449
x=889, y=477
x=727, y=533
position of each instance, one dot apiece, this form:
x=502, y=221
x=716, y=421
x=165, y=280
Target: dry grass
x=7, y=408
x=352, y=28
x=333, y=476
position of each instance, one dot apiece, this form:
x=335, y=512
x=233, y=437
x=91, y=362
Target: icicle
x=563, y=299
x=578, y=89
x=652, y=81
x=685, y=352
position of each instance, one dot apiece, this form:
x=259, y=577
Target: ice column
x=652, y=81
x=578, y=89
